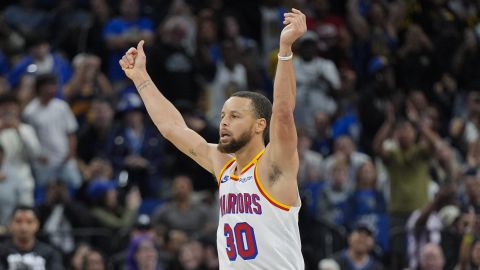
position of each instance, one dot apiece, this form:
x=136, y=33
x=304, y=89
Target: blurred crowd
x=388, y=120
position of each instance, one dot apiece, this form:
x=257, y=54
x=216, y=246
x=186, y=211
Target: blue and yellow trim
x=248, y=166
x=226, y=166
x=267, y=195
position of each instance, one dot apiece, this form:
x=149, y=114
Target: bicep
x=194, y=146
x=283, y=139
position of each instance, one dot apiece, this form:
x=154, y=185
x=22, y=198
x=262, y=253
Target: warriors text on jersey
x=255, y=231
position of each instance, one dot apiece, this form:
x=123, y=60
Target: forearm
x=284, y=88
x=162, y=112
x=382, y=134
x=72, y=145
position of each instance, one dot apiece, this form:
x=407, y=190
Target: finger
x=130, y=59
x=123, y=65
x=296, y=11
x=140, y=47
x=132, y=50
x=127, y=63
x=289, y=14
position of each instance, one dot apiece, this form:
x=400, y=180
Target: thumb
x=140, y=47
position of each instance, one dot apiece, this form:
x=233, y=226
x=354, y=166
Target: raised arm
x=282, y=150
x=164, y=115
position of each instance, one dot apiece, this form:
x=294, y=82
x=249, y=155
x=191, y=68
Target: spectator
x=453, y=229
x=87, y=83
x=40, y=60
x=230, y=77
x=142, y=254
x=59, y=215
x=345, y=149
x=431, y=257
x=97, y=131
x=26, y=18
x=407, y=163
x=470, y=248
x=333, y=198
x=311, y=163
x=182, y=213
x=78, y=255
x=10, y=192
x=55, y=126
x=136, y=147
x=170, y=59
x=366, y=203
x=323, y=134
x=24, y=251
x=93, y=260
x=357, y=256
x=122, y=32
x=20, y=144
x=317, y=79
x=106, y=209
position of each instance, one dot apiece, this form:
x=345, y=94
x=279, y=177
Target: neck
x=247, y=153
x=183, y=204
x=24, y=244
x=358, y=257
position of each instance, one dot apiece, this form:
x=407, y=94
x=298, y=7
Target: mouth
x=224, y=135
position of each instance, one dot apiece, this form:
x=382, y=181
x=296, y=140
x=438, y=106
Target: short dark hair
x=22, y=207
x=44, y=79
x=262, y=107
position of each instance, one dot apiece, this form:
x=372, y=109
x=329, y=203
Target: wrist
x=285, y=50
x=140, y=78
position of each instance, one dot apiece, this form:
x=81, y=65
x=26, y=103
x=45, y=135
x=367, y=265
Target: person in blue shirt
x=39, y=61
x=367, y=203
x=124, y=31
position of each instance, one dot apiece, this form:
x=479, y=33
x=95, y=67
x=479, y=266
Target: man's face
x=361, y=241
x=236, y=125
x=24, y=225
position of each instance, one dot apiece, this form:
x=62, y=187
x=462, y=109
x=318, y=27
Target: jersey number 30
x=241, y=241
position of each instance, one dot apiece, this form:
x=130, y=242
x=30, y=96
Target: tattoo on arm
x=143, y=85
x=192, y=152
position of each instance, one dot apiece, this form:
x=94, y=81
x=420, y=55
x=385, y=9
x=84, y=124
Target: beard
x=235, y=144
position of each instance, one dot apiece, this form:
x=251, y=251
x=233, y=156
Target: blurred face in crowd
x=130, y=8
x=344, y=145
x=207, y=32
x=377, y=14
x=238, y=124
x=134, y=119
x=231, y=27
x=94, y=261
x=367, y=176
x=361, y=241
x=405, y=134
x=101, y=113
x=100, y=8
x=47, y=91
x=78, y=256
x=182, y=188
x=473, y=188
x=146, y=255
x=24, y=225
x=308, y=49
x=476, y=253
x=431, y=257
x=322, y=122
x=191, y=255
x=40, y=51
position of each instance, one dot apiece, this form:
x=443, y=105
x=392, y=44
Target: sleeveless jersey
x=255, y=231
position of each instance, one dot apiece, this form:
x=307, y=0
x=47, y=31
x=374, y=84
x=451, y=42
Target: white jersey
x=255, y=231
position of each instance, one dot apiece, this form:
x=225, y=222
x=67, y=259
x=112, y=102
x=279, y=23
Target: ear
x=260, y=125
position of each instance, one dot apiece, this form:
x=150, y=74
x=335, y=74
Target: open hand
x=295, y=27
x=133, y=63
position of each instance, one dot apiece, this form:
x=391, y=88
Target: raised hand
x=295, y=27
x=133, y=63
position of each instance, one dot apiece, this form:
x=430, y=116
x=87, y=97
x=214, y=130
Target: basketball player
x=259, y=200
